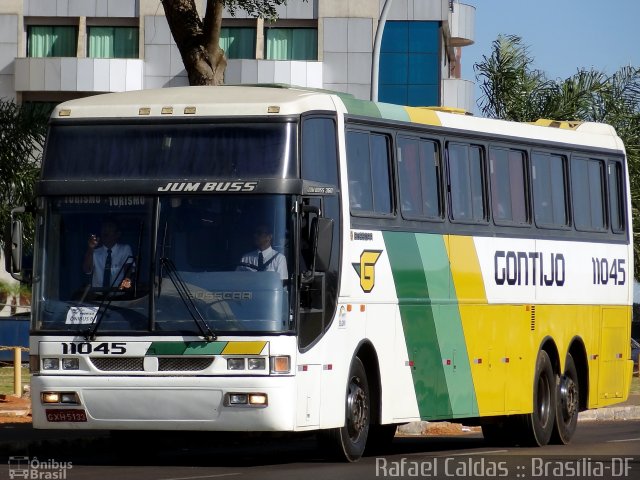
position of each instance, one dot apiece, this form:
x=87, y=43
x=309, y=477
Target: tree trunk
x=198, y=39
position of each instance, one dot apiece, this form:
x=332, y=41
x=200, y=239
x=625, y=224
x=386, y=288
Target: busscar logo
x=366, y=269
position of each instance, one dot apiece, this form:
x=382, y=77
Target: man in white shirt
x=105, y=262
x=264, y=258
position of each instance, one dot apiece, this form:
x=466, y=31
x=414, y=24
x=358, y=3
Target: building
x=54, y=50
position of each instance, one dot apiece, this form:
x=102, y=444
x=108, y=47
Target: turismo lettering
x=529, y=268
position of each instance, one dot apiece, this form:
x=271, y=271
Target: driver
x=105, y=257
x=264, y=258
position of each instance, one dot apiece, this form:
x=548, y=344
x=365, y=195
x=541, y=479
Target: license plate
x=71, y=415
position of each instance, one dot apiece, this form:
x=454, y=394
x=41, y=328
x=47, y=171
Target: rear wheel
x=348, y=442
x=567, y=403
x=539, y=424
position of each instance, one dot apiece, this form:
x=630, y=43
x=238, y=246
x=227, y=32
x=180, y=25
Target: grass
x=635, y=385
x=6, y=378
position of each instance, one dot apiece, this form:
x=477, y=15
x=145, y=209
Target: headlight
x=50, y=363
x=280, y=364
x=235, y=364
x=257, y=363
x=70, y=364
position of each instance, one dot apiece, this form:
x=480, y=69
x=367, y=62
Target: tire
x=567, y=403
x=347, y=443
x=538, y=425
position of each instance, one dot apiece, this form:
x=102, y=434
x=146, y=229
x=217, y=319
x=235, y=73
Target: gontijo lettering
x=529, y=268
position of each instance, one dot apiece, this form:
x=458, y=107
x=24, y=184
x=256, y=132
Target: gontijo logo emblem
x=366, y=269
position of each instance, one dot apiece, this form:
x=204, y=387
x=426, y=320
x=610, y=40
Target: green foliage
x=22, y=133
x=255, y=8
x=513, y=90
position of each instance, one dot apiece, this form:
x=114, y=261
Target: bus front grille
x=184, y=364
x=165, y=364
x=124, y=364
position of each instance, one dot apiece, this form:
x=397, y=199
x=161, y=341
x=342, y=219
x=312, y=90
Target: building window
x=238, y=42
x=549, y=180
x=52, y=41
x=508, y=186
x=369, y=174
x=113, y=42
x=466, y=183
x=419, y=170
x=291, y=43
x=587, y=188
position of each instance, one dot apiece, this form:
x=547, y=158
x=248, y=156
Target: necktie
x=260, y=262
x=106, y=279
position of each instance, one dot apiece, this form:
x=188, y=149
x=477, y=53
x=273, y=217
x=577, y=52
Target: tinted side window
x=319, y=152
x=419, y=171
x=507, y=168
x=587, y=189
x=466, y=182
x=616, y=200
x=549, y=189
x=369, y=173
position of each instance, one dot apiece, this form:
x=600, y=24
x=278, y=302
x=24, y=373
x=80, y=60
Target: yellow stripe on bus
x=244, y=348
x=422, y=115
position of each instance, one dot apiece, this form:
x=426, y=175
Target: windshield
x=144, y=263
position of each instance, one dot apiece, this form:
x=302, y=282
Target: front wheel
x=348, y=442
x=567, y=404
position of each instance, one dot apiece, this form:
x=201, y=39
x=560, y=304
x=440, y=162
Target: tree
x=513, y=90
x=198, y=38
x=22, y=132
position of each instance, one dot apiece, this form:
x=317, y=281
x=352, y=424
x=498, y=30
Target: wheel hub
x=357, y=410
x=568, y=397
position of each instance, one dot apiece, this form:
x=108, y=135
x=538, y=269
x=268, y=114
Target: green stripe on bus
x=186, y=348
x=360, y=107
x=393, y=112
x=448, y=324
x=419, y=325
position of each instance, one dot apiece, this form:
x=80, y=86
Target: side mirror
x=15, y=266
x=324, y=240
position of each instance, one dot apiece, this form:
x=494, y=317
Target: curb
x=630, y=412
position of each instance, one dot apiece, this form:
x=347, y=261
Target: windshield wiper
x=90, y=334
x=187, y=298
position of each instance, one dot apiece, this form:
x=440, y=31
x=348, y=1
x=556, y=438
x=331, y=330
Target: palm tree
x=513, y=90
x=22, y=133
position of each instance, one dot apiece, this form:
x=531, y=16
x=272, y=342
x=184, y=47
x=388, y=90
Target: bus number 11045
x=86, y=348
x=607, y=271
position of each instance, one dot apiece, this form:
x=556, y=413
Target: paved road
x=599, y=450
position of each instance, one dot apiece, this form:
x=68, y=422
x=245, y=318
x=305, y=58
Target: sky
x=562, y=35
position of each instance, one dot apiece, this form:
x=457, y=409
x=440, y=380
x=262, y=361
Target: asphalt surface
x=599, y=450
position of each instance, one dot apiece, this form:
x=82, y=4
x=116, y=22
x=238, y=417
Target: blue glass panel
x=423, y=68
x=394, y=68
x=395, y=37
x=423, y=95
x=393, y=94
x=424, y=37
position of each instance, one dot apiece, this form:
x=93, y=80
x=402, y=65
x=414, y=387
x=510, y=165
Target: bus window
x=319, y=151
x=368, y=170
x=508, y=197
x=466, y=183
x=419, y=171
x=616, y=201
x=549, y=190
x=587, y=189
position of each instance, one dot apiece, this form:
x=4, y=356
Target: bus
x=431, y=266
